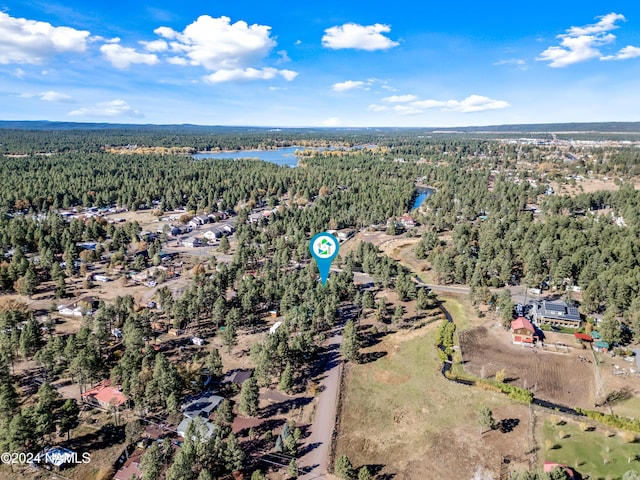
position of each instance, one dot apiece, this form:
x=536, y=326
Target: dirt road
x=314, y=463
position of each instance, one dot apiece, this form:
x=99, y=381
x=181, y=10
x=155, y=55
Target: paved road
x=315, y=461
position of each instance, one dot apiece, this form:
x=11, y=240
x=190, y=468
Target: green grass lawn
x=627, y=408
x=588, y=451
x=458, y=312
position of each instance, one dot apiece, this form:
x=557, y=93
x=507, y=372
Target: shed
x=584, y=337
x=237, y=376
x=601, y=346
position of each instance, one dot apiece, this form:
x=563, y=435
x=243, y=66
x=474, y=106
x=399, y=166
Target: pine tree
x=343, y=467
x=485, y=419
x=292, y=471
x=69, y=416
x=286, y=379
x=363, y=473
x=398, y=312
x=214, y=364
x=350, y=347
x=224, y=246
x=249, y=398
x=422, y=300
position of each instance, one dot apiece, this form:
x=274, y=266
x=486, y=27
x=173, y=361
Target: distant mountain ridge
x=605, y=127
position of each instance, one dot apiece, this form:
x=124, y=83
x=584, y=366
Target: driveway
x=315, y=460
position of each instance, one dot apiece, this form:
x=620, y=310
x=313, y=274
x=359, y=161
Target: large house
x=84, y=305
x=105, y=395
x=556, y=313
x=201, y=406
x=523, y=332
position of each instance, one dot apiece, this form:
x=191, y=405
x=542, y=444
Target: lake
x=282, y=156
x=423, y=194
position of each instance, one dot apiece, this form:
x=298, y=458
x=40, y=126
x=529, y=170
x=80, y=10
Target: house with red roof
x=583, y=337
x=523, y=332
x=105, y=395
x=131, y=467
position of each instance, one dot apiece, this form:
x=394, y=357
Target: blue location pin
x=324, y=248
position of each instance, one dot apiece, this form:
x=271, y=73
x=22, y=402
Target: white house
x=208, y=428
x=197, y=341
x=191, y=242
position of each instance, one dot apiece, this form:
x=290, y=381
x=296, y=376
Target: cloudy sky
x=332, y=63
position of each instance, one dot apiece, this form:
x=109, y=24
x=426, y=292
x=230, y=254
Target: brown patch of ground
x=562, y=378
x=587, y=185
x=426, y=428
x=389, y=378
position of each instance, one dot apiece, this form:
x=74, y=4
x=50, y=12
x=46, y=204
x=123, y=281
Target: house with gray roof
x=556, y=313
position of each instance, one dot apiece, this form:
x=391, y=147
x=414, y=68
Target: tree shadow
x=507, y=425
x=370, y=357
x=285, y=407
x=308, y=448
x=621, y=395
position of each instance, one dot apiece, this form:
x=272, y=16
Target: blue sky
x=330, y=63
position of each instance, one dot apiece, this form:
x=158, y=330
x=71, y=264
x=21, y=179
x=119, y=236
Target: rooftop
x=558, y=311
x=522, y=322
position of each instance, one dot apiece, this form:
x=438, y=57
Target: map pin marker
x=324, y=248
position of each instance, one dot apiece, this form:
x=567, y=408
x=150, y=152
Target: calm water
x=423, y=194
x=281, y=156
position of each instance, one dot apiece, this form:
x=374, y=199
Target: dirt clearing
x=562, y=378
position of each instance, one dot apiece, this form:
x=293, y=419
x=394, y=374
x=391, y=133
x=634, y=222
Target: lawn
x=399, y=410
x=627, y=408
x=593, y=453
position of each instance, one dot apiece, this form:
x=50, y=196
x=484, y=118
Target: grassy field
x=627, y=408
x=593, y=453
x=401, y=411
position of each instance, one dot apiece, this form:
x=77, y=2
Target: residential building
x=556, y=313
x=105, y=395
x=82, y=306
x=523, y=332
x=191, y=242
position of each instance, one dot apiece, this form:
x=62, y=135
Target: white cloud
x=473, y=103
x=19, y=73
x=605, y=24
x=217, y=44
x=50, y=96
x=625, y=53
x=114, y=108
x=377, y=108
x=155, y=46
x=284, y=56
x=406, y=110
x=178, y=61
x=430, y=103
x=231, y=51
x=25, y=41
x=580, y=44
x=347, y=85
x=239, y=74
x=332, y=122
x=400, y=98
x=122, y=57
x=518, y=62
x=53, y=96
x=360, y=37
